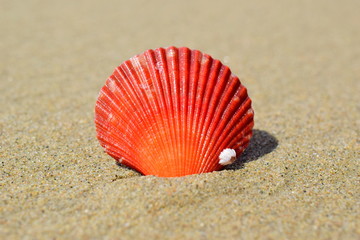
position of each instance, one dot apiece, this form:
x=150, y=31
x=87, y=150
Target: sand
x=300, y=61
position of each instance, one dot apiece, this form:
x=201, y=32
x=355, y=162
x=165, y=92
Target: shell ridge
x=212, y=82
x=235, y=118
x=132, y=71
x=193, y=76
x=206, y=61
x=240, y=143
x=184, y=59
x=102, y=112
x=111, y=97
x=154, y=74
x=197, y=63
x=154, y=136
x=172, y=60
x=131, y=131
x=246, y=132
x=226, y=118
x=160, y=123
x=160, y=55
x=144, y=122
x=105, y=140
x=151, y=104
x=131, y=99
x=107, y=109
x=243, y=126
x=215, y=104
x=230, y=90
x=109, y=147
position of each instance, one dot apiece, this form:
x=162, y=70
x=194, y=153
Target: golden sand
x=300, y=61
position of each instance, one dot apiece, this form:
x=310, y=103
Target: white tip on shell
x=227, y=156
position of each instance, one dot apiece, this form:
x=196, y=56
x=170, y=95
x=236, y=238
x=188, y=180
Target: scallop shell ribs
x=173, y=112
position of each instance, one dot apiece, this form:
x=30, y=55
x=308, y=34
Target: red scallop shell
x=171, y=112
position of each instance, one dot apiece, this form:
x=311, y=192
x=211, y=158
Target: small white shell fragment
x=227, y=156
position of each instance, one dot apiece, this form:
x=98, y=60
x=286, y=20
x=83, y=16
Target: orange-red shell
x=171, y=112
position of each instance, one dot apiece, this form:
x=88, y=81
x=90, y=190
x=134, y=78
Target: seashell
x=173, y=112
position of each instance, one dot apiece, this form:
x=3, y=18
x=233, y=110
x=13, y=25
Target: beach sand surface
x=299, y=179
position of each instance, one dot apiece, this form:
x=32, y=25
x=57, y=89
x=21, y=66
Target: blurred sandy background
x=300, y=61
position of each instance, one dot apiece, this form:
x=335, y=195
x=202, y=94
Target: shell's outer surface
x=171, y=112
